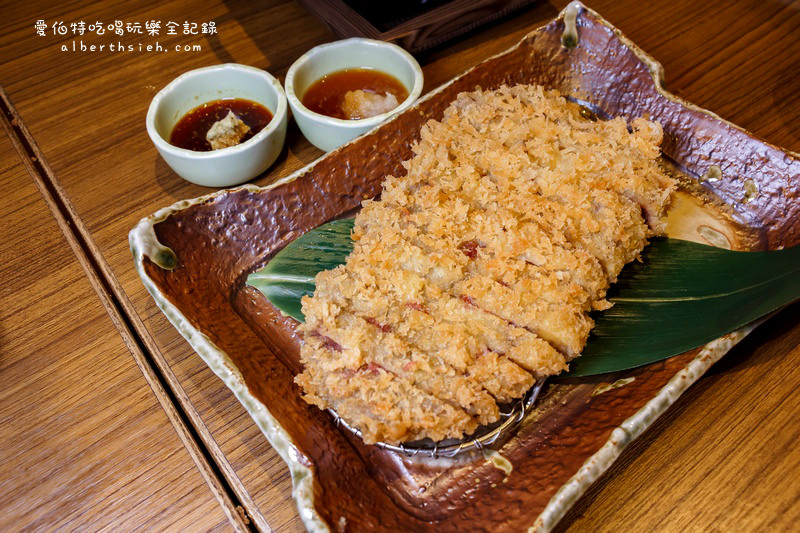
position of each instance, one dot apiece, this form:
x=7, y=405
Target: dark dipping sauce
x=190, y=131
x=326, y=95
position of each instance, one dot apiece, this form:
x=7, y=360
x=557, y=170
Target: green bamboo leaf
x=290, y=274
x=681, y=296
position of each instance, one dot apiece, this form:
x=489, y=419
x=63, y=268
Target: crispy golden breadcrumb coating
x=475, y=273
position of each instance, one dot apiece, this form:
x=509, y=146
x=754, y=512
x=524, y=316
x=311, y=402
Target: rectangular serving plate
x=194, y=257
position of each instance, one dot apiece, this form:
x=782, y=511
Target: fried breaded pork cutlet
x=475, y=272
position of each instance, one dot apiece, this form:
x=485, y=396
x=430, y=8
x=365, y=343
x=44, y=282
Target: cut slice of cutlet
x=607, y=154
x=568, y=163
x=383, y=406
x=553, y=309
x=363, y=340
x=608, y=226
x=433, y=319
x=590, y=162
x=601, y=223
x=560, y=324
x=612, y=158
x=494, y=234
x=531, y=297
x=400, y=300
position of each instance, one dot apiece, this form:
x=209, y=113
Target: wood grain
x=86, y=444
x=87, y=114
x=724, y=458
x=255, y=472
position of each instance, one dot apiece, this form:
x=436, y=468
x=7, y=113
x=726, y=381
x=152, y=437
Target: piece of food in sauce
x=191, y=130
x=227, y=132
x=354, y=93
x=362, y=104
x=379, y=402
x=475, y=273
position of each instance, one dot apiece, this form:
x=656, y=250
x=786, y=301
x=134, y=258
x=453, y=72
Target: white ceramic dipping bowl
x=227, y=166
x=328, y=133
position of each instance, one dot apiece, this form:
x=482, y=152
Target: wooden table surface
x=110, y=419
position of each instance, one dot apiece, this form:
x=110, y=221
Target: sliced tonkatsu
x=475, y=273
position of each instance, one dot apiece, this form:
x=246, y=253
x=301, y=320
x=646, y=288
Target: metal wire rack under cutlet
x=484, y=437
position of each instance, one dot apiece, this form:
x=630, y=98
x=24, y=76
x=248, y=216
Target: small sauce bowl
x=227, y=166
x=328, y=133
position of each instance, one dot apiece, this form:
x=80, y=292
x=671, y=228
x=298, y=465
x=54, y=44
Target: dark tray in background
x=415, y=25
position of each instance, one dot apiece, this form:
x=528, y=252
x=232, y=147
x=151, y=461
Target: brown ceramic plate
x=194, y=257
